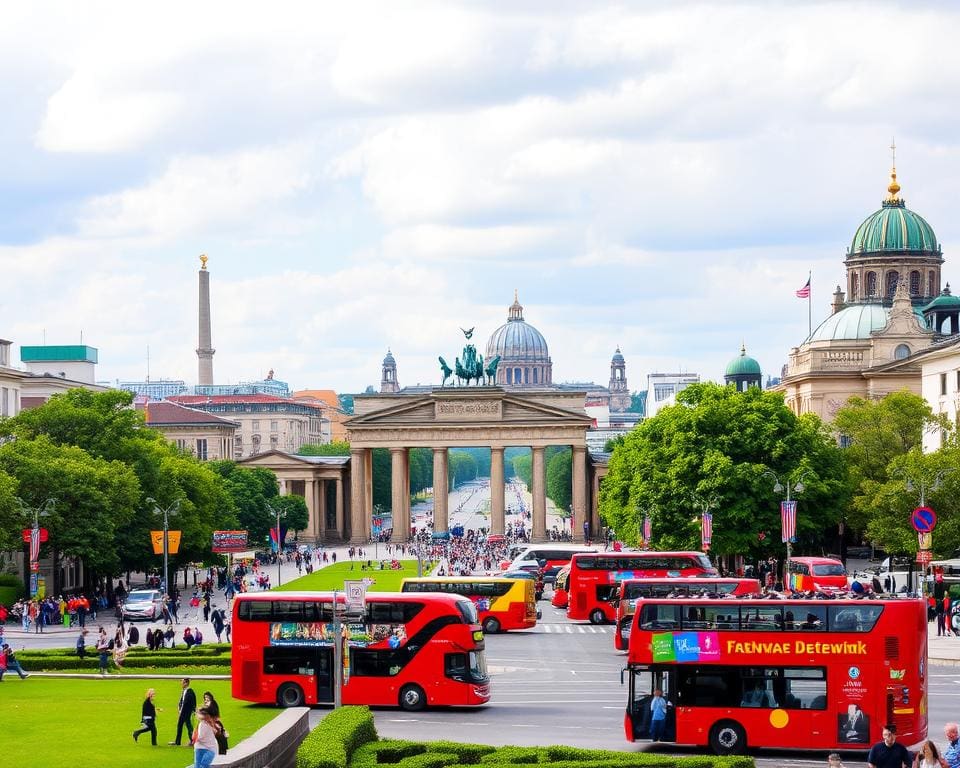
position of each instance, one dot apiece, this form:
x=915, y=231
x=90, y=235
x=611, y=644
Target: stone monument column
x=358, y=495
x=497, y=525
x=339, y=507
x=400, y=494
x=367, y=495
x=539, y=491
x=321, y=509
x=578, y=472
x=440, y=492
x=310, y=497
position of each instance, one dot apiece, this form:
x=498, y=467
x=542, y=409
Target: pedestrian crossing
x=573, y=629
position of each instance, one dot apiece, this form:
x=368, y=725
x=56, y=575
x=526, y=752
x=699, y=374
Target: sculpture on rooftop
x=469, y=366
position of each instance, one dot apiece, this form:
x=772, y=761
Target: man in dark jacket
x=188, y=703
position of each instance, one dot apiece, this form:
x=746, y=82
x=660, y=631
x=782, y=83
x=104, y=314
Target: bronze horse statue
x=491, y=370
x=446, y=370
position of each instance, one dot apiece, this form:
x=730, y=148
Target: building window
x=958, y=381
x=255, y=444
x=943, y=384
x=273, y=426
x=871, y=284
x=255, y=424
x=202, y=449
x=901, y=352
x=914, y=283
x=273, y=442
x=517, y=379
x=4, y=402
x=854, y=286
x=892, y=278
x=535, y=376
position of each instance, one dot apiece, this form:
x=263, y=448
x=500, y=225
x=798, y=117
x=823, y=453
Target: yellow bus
x=502, y=603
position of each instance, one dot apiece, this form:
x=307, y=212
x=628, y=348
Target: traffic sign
x=923, y=520
x=924, y=541
x=924, y=556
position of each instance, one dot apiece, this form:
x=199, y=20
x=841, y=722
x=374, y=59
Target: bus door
x=643, y=682
x=303, y=662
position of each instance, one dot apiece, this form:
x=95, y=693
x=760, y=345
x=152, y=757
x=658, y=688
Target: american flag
x=804, y=293
x=788, y=520
x=647, y=531
x=34, y=545
x=706, y=530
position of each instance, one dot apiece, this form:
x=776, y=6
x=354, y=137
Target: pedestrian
x=928, y=756
x=188, y=702
x=206, y=606
x=204, y=740
x=103, y=649
x=658, y=715
x=12, y=663
x=219, y=620
x=82, y=644
x=888, y=753
x=148, y=717
x=834, y=761
x=133, y=636
x=951, y=754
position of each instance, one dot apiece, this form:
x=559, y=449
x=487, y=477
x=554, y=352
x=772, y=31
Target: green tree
x=336, y=448
x=12, y=520
x=716, y=445
x=250, y=490
x=523, y=468
x=559, y=478
x=293, y=511
x=93, y=498
x=462, y=467
x=876, y=433
x=421, y=469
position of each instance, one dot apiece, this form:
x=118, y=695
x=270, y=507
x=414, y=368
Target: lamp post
x=44, y=510
x=924, y=488
x=279, y=513
x=166, y=512
x=791, y=487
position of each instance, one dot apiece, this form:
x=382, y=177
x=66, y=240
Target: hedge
x=332, y=743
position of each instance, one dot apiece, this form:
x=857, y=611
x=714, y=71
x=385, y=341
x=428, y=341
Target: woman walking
x=204, y=740
x=148, y=716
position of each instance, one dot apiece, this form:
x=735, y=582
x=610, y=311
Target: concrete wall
x=273, y=746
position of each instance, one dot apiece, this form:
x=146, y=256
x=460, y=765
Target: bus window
x=761, y=618
x=660, y=617
x=811, y=618
x=720, y=617
x=695, y=618
x=854, y=618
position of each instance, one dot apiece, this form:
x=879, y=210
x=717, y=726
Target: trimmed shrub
x=467, y=754
x=429, y=760
x=386, y=752
x=332, y=743
x=516, y=755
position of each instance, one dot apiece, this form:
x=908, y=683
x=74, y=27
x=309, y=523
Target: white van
x=546, y=555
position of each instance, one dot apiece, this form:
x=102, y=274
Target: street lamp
x=791, y=487
x=171, y=510
x=44, y=510
x=279, y=513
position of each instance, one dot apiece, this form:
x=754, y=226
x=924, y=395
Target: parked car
x=143, y=604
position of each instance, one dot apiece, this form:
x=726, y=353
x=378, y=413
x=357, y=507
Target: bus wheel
x=412, y=698
x=290, y=695
x=727, y=738
x=491, y=626
x=597, y=617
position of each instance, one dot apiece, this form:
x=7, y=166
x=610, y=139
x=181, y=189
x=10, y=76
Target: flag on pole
x=706, y=530
x=34, y=544
x=804, y=293
x=647, y=530
x=788, y=520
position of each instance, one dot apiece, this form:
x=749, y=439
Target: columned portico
x=497, y=489
x=462, y=417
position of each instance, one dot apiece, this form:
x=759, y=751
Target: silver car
x=143, y=604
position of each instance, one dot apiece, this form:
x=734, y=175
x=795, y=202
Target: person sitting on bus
x=812, y=622
x=754, y=695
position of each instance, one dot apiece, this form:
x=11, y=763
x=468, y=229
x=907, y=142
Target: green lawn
x=93, y=721
x=333, y=576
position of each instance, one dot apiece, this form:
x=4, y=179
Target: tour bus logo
x=854, y=672
x=686, y=646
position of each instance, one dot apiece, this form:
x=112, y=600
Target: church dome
x=894, y=228
x=945, y=301
x=743, y=365
x=618, y=357
x=517, y=340
x=524, y=357
x=857, y=321
x=389, y=360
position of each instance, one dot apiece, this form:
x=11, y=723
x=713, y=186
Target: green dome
x=894, y=229
x=944, y=301
x=742, y=365
x=857, y=321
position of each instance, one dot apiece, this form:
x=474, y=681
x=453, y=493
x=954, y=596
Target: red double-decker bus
x=560, y=596
x=780, y=673
x=594, y=579
x=404, y=650
x=633, y=591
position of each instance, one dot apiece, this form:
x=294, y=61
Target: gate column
x=497, y=525
x=440, y=492
x=539, y=491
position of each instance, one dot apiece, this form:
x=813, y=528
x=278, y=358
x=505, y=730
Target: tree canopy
x=715, y=449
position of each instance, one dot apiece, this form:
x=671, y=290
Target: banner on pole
x=706, y=530
x=173, y=542
x=273, y=537
x=647, y=531
x=788, y=520
x=229, y=541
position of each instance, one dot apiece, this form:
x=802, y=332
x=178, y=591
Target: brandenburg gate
x=464, y=417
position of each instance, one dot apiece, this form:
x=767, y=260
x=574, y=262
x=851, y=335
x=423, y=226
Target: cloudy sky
x=659, y=176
